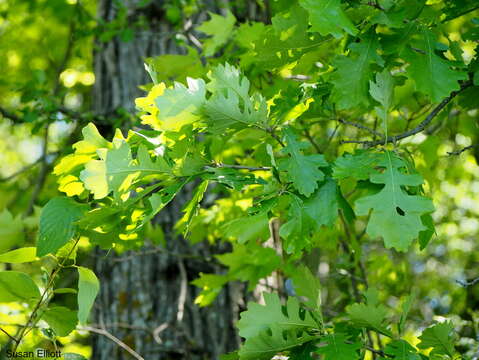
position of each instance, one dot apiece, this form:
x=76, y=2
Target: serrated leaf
x=396, y=215
x=219, y=28
x=303, y=170
x=19, y=256
x=88, y=287
x=328, y=17
x=61, y=319
x=335, y=347
x=57, y=224
x=17, y=286
x=440, y=338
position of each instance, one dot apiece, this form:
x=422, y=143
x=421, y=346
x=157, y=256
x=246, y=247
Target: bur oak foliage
x=252, y=117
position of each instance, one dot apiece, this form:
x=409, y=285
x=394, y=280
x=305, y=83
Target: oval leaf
x=57, y=224
x=18, y=256
x=88, y=286
x=16, y=286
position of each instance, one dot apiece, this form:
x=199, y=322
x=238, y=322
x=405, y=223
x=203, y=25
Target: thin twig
x=26, y=168
x=458, y=152
x=42, y=175
x=311, y=140
x=465, y=283
x=32, y=318
x=114, y=339
x=419, y=128
x=242, y=167
x=9, y=115
x=10, y=336
x=274, y=136
x=360, y=126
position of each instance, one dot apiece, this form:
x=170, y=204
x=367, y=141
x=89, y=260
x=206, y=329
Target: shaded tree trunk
x=146, y=300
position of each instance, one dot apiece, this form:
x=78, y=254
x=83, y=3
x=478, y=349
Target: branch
x=114, y=339
x=360, y=126
x=242, y=167
x=9, y=115
x=10, y=336
x=419, y=128
x=27, y=167
x=465, y=283
x=459, y=152
x=31, y=322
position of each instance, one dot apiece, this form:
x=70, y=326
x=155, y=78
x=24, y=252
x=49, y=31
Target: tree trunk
x=146, y=300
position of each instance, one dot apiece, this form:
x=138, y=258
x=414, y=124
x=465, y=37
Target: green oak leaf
x=307, y=287
x=283, y=42
x=328, y=17
x=359, y=165
x=295, y=232
x=382, y=91
x=371, y=314
x=211, y=285
x=58, y=224
x=396, y=215
x=401, y=350
x=322, y=206
x=181, y=104
x=336, y=347
x=191, y=208
x=440, y=338
x=219, y=28
x=259, y=318
x=353, y=73
x=250, y=262
x=432, y=74
x=303, y=170
x=162, y=198
x=268, y=343
x=249, y=228
x=230, y=105
x=116, y=170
